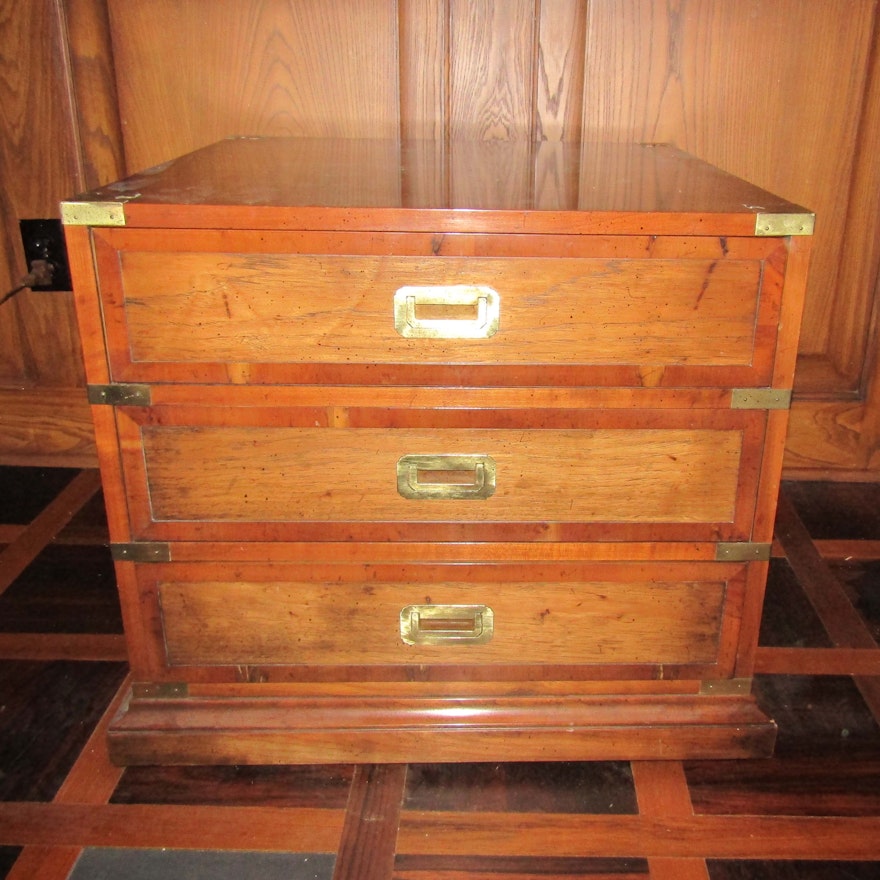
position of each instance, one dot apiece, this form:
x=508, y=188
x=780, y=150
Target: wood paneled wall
x=783, y=92
x=50, y=148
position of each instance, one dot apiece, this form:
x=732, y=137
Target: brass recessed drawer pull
x=446, y=624
x=446, y=476
x=449, y=311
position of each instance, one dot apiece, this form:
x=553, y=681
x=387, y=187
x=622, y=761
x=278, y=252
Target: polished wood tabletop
x=490, y=186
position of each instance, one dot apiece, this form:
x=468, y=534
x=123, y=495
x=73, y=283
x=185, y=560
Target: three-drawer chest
x=420, y=451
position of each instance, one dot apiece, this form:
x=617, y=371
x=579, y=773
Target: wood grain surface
x=104, y=87
x=617, y=621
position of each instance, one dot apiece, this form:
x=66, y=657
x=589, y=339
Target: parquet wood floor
x=811, y=812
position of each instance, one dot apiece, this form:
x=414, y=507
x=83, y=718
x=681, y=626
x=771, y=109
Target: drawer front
x=383, y=615
x=629, y=475
x=616, y=317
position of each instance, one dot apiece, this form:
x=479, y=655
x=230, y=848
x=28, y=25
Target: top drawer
x=287, y=307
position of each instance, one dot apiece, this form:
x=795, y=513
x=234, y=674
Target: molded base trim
x=345, y=729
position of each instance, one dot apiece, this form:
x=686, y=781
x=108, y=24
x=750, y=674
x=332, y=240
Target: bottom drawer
x=483, y=615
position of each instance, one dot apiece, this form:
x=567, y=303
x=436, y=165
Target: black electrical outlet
x=43, y=242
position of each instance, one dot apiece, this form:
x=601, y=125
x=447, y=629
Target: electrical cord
x=41, y=274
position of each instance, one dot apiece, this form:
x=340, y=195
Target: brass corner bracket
x=93, y=213
x=784, y=224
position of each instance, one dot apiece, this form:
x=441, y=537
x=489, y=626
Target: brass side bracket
x=160, y=690
x=760, y=398
x=784, y=224
x=729, y=687
x=93, y=213
x=742, y=552
x=119, y=395
x=141, y=551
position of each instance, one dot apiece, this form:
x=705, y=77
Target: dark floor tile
x=47, y=712
x=167, y=864
x=8, y=855
x=793, y=870
x=66, y=589
x=24, y=492
x=89, y=523
x=519, y=866
x=819, y=716
x=789, y=620
x=597, y=787
x=324, y=786
x=837, y=510
x=789, y=787
x=861, y=579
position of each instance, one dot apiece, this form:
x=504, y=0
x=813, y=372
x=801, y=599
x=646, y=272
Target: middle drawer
x=291, y=473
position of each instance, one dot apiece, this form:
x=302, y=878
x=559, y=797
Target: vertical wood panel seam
x=585, y=72
x=871, y=361
x=446, y=97
x=400, y=60
x=535, y=127
x=92, y=90
x=70, y=95
x=446, y=103
x=398, y=63
x=534, y=116
x=869, y=354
